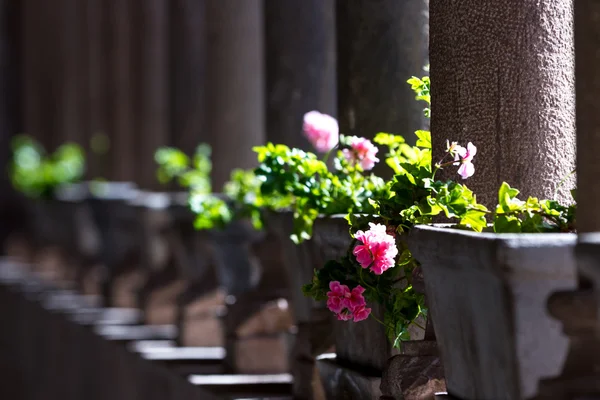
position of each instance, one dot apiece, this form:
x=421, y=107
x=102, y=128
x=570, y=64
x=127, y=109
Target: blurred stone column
x=234, y=85
x=380, y=45
x=98, y=66
x=124, y=153
x=10, y=109
x=578, y=310
x=71, y=77
x=153, y=88
x=188, y=74
x=301, y=69
x=301, y=77
x=37, y=53
x=505, y=84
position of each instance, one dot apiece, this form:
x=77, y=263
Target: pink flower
x=362, y=151
x=355, y=298
x=347, y=304
x=378, y=249
x=466, y=169
x=361, y=313
x=336, y=298
x=321, y=130
x=344, y=315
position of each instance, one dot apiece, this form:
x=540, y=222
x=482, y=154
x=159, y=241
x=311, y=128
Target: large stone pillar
x=188, y=65
x=505, y=84
x=153, y=89
x=300, y=56
x=37, y=55
x=235, y=84
x=380, y=45
x=71, y=78
x=578, y=310
x=120, y=95
x=98, y=65
x=587, y=78
x=10, y=111
x=301, y=77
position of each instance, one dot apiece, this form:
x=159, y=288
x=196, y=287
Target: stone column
x=578, y=310
x=10, y=112
x=300, y=57
x=188, y=74
x=71, y=79
x=153, y=88
x=120, y=95
x=235, y=84
x=100, y=155
x=301, y=77
x=380, y=45
x=37, y=56
x=505, y=84
x=587, y=61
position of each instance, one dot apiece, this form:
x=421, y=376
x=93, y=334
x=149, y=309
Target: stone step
x=238, y=386
x=130, y=333
x=187, y=361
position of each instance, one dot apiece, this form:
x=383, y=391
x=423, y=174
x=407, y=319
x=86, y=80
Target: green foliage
x=421, y=88
x=36, y=174
x=531, y=216
x=309, y=188
x=194, y=173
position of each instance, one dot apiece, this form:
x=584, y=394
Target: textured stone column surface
x=506, y=84
x=235, y=84
x=380, y=45
x=300, y=66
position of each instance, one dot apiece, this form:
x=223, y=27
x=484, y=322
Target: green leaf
x=507, y=224
x=424, y=139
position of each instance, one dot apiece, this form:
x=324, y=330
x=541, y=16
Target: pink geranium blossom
x=361, y=313
x=336, y=297
x=321, y=130
x=378, y=249
x=347, y=304
x=361, y=151
x=465, y=156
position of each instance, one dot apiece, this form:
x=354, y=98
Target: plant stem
x=418, y=325
x=562, y=181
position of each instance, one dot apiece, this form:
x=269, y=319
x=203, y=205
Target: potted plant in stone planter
x=245, y=264
x=38, y=176
x=378, y=279
x=320, y=194
x=471, y=278
x=165, y=223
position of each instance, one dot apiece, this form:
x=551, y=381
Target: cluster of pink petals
x=464, y=157
x=321, y=130
x=362, y=151
x=347, y=304
x=378, y=249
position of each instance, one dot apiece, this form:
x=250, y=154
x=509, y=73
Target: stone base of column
x=343, y=382
x=416, y=374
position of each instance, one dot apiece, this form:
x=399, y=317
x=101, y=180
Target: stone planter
x=315, y=333
x=248, y=269
x=115, y=220
x=487, y=295
x=365, y=364
x=53, y=234
x=79, y=241
x=153, y=228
